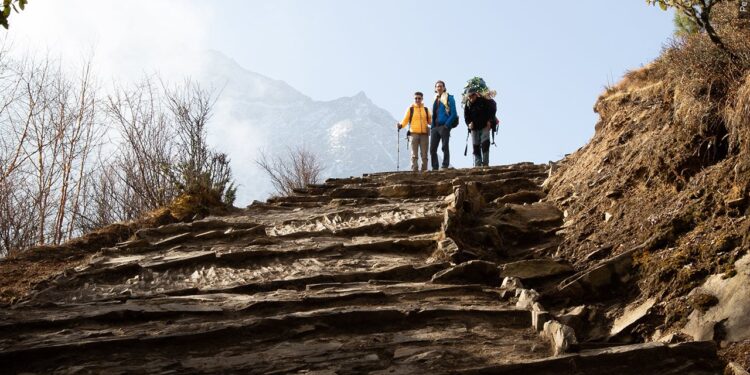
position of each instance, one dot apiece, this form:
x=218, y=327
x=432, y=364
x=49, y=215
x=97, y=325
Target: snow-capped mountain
x=255, y=114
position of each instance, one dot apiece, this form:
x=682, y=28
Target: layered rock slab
x=343, y=277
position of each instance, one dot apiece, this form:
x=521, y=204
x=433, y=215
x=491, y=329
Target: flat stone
x=447, y=250
x=511, y=283
x=575, y=318
x=600, y=279
x=632, y=315
x=536, y=268
x=562, y=337
x=540, y=214
x=139, y=242
x=174, y=260
x=526, y=298
x=732, y=311
x=174, y=239
x=211, y=234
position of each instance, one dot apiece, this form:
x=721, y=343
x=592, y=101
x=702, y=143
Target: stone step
x=300, y=199
x=270, y=274
x=691, y=358
x=418, y=224
x=314, y=296
x=141, y=317
x=433, y=337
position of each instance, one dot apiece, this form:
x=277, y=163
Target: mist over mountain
x=255, y=114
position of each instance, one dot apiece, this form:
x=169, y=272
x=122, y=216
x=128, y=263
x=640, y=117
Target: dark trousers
x=440, y=134
x=480, y=139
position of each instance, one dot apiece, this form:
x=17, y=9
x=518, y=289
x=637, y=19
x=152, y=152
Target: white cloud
x=126, y=38
x=242, y=142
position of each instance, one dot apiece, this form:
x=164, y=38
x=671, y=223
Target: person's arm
x=405, y=121
x=452, y=108
x=467, y=117
x=429, y=116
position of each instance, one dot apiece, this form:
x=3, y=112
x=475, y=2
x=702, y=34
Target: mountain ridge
x=256, y=114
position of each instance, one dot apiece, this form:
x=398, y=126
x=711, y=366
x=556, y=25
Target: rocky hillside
x=393, y=273
x=664, y=182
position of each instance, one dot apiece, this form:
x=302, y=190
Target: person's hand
x=471, y=126
x=398, y=125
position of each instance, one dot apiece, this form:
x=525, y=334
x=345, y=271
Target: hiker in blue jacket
x=445, y=118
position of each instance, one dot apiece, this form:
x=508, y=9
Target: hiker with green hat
x=480, y=111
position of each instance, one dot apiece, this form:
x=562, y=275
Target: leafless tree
x=71, y=162
x=298, y=168
x=49, y=129
x=146, y=147
x=199, y=170
x=164, y=151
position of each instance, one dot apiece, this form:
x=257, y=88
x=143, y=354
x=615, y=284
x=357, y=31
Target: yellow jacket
x=420, y=121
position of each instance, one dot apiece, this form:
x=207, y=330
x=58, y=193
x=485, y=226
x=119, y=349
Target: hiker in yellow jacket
x=418, y=119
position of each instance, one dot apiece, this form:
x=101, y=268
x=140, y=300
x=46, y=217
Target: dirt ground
x=667, y=172
x=20, y=274
x=738, y=353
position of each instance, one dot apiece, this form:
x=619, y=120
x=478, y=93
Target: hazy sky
x=548, y=60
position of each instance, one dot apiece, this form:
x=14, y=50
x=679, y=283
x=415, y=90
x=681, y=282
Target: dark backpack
x=435, y=107
x=411, y=113
x=454, y=123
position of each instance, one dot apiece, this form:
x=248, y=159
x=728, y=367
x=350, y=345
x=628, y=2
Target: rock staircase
x=387, y=273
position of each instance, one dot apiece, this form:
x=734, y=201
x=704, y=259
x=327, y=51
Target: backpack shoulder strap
x=411, y=113
x=426, y=113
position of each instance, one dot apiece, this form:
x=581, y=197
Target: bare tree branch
x=298, y=169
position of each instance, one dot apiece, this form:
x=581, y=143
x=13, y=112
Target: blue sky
x=548, y=60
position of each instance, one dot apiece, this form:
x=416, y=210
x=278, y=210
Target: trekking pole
x=398, y=148
x=494, y=130
x=467, y=142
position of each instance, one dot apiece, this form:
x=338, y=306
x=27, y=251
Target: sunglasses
x=418, y=98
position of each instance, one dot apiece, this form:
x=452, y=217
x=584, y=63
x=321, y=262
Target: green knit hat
x=476, y=85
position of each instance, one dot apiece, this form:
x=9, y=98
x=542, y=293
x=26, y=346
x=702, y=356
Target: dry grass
x=25, y=271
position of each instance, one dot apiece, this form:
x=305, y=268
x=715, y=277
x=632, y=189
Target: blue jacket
x=440, y=117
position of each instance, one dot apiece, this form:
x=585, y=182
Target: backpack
x=453, y=123
x=411, y=113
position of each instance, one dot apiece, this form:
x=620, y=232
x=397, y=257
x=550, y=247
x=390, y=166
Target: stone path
x=378, y=274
